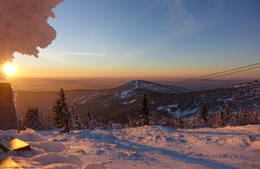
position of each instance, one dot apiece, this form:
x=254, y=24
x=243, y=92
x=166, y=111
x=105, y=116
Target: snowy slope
x=143, y=147
x=141, y=84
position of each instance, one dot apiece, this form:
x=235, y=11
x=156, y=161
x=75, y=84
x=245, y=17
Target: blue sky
x=149, y=38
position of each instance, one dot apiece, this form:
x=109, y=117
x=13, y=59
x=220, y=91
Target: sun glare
x=9, y=69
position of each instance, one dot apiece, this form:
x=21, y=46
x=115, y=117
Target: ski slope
x=153, y=147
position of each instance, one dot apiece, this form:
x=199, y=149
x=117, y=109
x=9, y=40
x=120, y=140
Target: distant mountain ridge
x=156, y=87
x=45, y=99
x=126, y=99
x=48, y=84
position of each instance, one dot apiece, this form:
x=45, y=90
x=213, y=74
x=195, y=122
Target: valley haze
x=54, y=84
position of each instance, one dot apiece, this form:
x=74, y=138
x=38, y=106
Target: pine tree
x=235, y=119
x=242, y=117
x=211, y=122
x=227, y=115
x=144, y=115
x=32, y=119
x=203, y=115
x=62, y=112
x=172, y=121
x=219, y=119
x=78, y=123
x=192, y=123
x=197, y=121
x=254, y=118
x=49, y=125
x=180, y=122
x=89, y=121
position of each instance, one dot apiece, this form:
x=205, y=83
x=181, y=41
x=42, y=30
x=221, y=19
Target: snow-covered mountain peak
x=142, y=84
x=134, y=83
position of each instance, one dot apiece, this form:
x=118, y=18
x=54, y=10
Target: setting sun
x=9, y=69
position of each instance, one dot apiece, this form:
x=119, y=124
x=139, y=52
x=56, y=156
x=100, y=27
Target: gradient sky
x=148, y=38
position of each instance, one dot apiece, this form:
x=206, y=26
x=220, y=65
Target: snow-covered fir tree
x=254, y=118
x=49, y=125
x=89, y=121
x=198, y=121
x=172, y=121
x=78, y=125
x=211, y=120
x=180, y=122
x=192, y=122
x=32, y=119
x=144, y=114
x=219, y=119
x=227, y=115
x=203, y=115
x=62, y=112
x=100, y=122
x=235, y=119
x=242, y=117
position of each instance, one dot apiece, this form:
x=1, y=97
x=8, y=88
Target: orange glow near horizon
x=60, y=66
x=126, y=74
x=45, y=68
x=97, y=73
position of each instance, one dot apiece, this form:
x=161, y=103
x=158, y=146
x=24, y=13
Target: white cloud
x=84, y=54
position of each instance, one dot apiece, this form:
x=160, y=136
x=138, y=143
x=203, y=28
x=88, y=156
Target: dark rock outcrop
x=8, y=118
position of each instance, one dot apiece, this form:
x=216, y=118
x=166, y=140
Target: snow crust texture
x=143, y=147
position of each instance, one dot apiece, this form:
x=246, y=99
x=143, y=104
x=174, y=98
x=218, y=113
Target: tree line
x=64, y=118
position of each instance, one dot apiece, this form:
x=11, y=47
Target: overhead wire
x=219, y=74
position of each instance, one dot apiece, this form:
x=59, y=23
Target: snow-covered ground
x=154, y=147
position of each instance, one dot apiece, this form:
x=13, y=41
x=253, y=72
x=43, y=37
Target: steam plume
x=24, y=27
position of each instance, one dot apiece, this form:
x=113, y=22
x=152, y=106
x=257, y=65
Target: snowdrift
x=143, y=147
